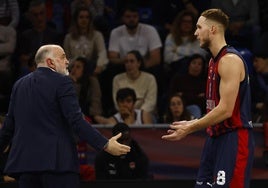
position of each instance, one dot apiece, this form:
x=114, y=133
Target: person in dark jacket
x=43, y=119
x=133, y=165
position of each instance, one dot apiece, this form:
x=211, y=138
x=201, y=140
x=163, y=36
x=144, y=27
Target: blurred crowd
x=147, y=46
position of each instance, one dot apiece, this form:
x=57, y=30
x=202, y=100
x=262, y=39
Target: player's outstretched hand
x=177, y=131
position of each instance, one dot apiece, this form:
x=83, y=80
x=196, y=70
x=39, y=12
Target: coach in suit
x=41, y=123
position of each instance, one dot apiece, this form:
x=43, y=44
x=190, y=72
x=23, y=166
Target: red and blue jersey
x=241, y=116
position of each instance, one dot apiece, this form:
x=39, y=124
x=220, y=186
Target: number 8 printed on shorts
x=221, y=177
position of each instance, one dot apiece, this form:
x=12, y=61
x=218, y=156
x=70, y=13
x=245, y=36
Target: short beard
x=205, y=45
x=64, y=72
x=131, y=26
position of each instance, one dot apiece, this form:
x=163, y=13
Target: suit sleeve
x=72, y=113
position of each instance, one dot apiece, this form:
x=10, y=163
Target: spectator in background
x=192, y=85
x=7, y=48
x=181, y=43
x=9, y=13
x=121, y=4
x=132, y=35
x=243, y=29
x=31, y=39
x=96, y=7
x=83, y=40
x=89, y=97
x=142, y=82
x=126, y=99
x=176, y=110
x=259, y=82
x=87, y=88
x=164, y=12
x=133, y=165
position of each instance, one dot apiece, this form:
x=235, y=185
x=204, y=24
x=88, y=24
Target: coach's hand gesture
x=115, y=148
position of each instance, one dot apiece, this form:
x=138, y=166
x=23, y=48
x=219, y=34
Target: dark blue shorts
x=227, y=160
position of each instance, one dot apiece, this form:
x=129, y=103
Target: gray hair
x=43, y=53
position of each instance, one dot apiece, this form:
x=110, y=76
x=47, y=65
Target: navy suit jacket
x=41, y=123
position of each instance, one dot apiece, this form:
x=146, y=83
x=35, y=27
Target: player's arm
x=231, y=71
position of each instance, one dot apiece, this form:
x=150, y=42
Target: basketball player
x=228, y=152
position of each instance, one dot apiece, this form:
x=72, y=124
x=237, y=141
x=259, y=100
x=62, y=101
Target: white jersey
x=138, y=120
x=144, y=40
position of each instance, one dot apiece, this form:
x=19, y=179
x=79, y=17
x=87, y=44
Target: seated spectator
x=126, y=99
x=89, y=97
x=142, y=82
x=259, y=80
x=176, y=110
x=31, y=39
x=133, y=165
x=192, y=85
x=84, y=41
x=9, y=13
x=87, y=87
x=132, y=35
x=96, y=7
x=164, y=12
x=181, y=43
x=97, y=10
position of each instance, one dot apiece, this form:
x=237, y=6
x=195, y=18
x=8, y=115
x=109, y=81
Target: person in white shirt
x=143, y=83
x=84, y=41
x=181, y=44
x=126, y=99
x=132, y=35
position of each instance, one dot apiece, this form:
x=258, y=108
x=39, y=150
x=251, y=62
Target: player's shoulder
x=231, y=57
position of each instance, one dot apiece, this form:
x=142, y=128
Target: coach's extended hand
x=115, y=148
